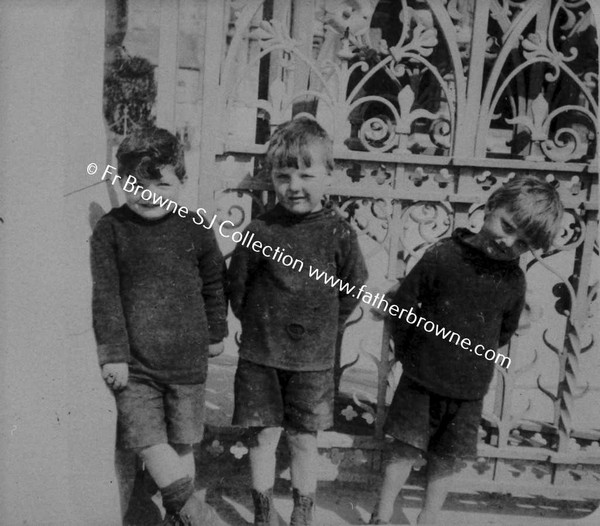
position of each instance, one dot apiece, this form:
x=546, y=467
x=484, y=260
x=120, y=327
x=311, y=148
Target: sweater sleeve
x=107, y=310
x=211, y=266
x=352, y=271
x=409, y=295
x=240, y=270
x=510, y=320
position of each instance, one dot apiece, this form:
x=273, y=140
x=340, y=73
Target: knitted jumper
x=460, y=289
x=158, y=295
x=291, y=320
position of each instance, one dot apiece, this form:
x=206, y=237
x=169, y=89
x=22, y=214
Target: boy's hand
x=378, y=314
x=214, y=349
x=115, y=375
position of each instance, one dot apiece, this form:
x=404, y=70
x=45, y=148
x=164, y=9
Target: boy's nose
x=508, y=241
x=295, y=183
x=152, y=189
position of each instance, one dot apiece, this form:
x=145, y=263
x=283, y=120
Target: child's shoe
x=195, y=512
x=264, y=511
x=302, y=514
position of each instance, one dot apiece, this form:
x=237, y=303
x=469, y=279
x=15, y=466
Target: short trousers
x=270, y=397
x=444, y=426
x=151, y=413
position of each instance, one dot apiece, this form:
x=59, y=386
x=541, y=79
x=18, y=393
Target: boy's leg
x=408, y=422
x=401, y=458
x=141, y=428
x=163, y=464
x=179, y=497
x=262, y=455
x=308, y=409
x=259, y=407
x=184, y=415
x=439, y=480
x=186, y=457
x=304, y=453
x=456, y=424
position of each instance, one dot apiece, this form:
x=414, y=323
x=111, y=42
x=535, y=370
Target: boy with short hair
x=290, y=321
x=159, y=311
x=470, y=284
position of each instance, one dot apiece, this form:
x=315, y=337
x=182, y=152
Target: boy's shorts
x=270, y=397
x=151, y=413
x=444, y=426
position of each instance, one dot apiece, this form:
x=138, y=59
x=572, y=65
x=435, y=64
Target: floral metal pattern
x=432, y=105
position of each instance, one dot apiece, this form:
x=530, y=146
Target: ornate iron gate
x=432, y=104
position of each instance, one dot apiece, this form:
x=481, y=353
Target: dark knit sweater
x=461, y=289
x=289, y=319
x=158, y=295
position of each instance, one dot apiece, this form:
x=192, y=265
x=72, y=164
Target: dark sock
x=263, y=504
x=176, y=494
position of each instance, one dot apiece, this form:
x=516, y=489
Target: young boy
x=159, y=311
x=290, y=321
x=470, y=284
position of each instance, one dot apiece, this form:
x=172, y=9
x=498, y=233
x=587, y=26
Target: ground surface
x=340, y=504
x=225, y=481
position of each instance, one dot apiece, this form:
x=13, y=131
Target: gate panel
x=432, y=105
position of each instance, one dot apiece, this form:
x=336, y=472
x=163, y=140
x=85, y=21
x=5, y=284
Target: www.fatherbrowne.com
x=278, y=254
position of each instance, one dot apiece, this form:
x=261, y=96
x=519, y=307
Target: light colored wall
x=57, y=419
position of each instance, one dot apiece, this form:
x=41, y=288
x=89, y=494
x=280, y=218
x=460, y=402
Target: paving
x=225, y=481
x=341, y=504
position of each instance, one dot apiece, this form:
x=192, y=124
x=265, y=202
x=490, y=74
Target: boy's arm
x=212, y=266
x=510, y=320
x=408, y=294
x=108, y=318
x=241, y=267
x=353, y=272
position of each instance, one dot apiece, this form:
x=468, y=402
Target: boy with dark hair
x=472, y=285
x=290, y=321
x=159, y=311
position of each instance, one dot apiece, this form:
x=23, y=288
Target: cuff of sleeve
x=113, y=353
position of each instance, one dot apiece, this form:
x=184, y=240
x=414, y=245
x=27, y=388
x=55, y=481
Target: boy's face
x=500, y=237
x=300, y=190
x=168, y=187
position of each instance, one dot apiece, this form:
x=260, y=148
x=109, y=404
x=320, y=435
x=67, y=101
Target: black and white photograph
x=299, y=262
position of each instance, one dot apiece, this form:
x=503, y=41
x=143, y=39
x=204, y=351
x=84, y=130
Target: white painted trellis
x=467, y=95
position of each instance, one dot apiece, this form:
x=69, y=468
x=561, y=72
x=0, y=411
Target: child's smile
x=300, y=189
x=168, y=187
x=500, y=238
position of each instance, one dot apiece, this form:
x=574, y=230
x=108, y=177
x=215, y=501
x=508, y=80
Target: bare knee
x=182, y=449
x=146, y=453
x=301, y=441
x=265, y=437
x=397, y=451
x=441, y=468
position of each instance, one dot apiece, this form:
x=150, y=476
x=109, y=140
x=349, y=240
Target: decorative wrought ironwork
x=425, y=126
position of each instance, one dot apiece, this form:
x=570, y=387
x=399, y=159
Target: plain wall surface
x=57, y=418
